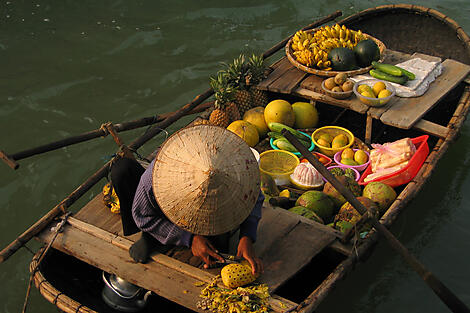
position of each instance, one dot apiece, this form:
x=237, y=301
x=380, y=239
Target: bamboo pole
x=10, y=159
x=103, y=171
x=449, y=298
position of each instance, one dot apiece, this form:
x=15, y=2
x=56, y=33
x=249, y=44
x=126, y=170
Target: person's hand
x=246, y=250
x=201, y=247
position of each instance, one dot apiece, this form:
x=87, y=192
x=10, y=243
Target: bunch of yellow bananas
x=110, y=199
x=312, y=50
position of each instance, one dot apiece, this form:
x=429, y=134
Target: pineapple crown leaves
x=257, y=67
x=223, y=91
x=238, y=73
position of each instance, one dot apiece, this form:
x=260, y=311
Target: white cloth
x=425, y=72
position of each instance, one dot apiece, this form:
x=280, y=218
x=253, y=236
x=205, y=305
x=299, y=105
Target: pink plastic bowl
x=360, y=168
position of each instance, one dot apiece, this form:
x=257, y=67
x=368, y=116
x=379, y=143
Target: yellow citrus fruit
x=347, y=153
x=378, y=87
x=255, y=116
x=279, y=111
x=285, y=193
x=325, y=136
x=323, y=142
x=384, y=93
x=306, y=115
x=245, y=131
x=369, y=94
x=363, y=87
x=360, y=157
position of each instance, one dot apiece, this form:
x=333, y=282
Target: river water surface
x=66, y=67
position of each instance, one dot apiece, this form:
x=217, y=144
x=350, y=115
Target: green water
x=68, y=66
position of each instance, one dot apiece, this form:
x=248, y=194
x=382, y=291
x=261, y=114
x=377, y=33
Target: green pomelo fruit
x=380, y=193
x=308, y=213
x=336, y=196
x=317, y=201
x=348, y=213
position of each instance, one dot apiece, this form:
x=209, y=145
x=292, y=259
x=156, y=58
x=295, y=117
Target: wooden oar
x=88, y=184
x=10, y=159
x=103, y=171
x=449, y=298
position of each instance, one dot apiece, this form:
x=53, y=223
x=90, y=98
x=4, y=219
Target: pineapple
x=224, y=112
x=236, y=275
x=258, y=73
x=238, y=76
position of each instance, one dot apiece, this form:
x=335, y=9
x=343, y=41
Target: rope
x=104, y=129
x=57, y=230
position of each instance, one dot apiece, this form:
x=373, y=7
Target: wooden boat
x=92, y=239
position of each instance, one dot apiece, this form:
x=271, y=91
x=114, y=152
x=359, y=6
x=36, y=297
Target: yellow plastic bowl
x=333, y=131
x=278, y=164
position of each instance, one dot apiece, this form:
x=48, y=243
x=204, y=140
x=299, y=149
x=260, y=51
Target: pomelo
x=279, y=111
x=255, y=116
x=306, y=115
x=246, y=131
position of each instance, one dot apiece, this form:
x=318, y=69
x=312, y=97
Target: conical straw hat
x=206, y=179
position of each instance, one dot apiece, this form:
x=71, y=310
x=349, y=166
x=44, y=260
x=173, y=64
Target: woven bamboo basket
x=311, y=70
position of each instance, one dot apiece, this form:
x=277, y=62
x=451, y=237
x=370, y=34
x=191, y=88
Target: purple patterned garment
x=149, y=217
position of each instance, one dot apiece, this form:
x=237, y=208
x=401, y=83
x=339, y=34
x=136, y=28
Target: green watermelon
x=342, y=59
x=366, y=51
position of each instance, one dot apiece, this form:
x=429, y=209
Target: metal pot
x=122, y=295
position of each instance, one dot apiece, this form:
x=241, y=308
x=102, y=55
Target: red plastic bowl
x=406, y=174
x=318, y=155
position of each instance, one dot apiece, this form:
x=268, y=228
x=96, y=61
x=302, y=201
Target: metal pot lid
x=122, y=287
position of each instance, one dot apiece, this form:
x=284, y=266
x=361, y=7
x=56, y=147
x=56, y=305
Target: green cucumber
x=275, y=135
x=384, y=76
x=277, y=127
x=387, y=68
x=410, y=75
x=393, y=70
x=284, y=144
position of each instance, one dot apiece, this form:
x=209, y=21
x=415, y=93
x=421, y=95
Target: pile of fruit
x=329, y=207
x=334, y=47
x=339, y=83
x=378, y=90
x=351, y=157
x=328, y=141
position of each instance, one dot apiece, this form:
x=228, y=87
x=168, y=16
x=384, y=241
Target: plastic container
x=333, y=131
x=406, y=174
x=358, y=175
x=319, y=155
x=278, y=164
x=360, y=168
x=374, y=102
x=336, y=95
x=312, y=145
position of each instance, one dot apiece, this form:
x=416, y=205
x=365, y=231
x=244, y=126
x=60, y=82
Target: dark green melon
x=366, y=51
x=342, y=59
